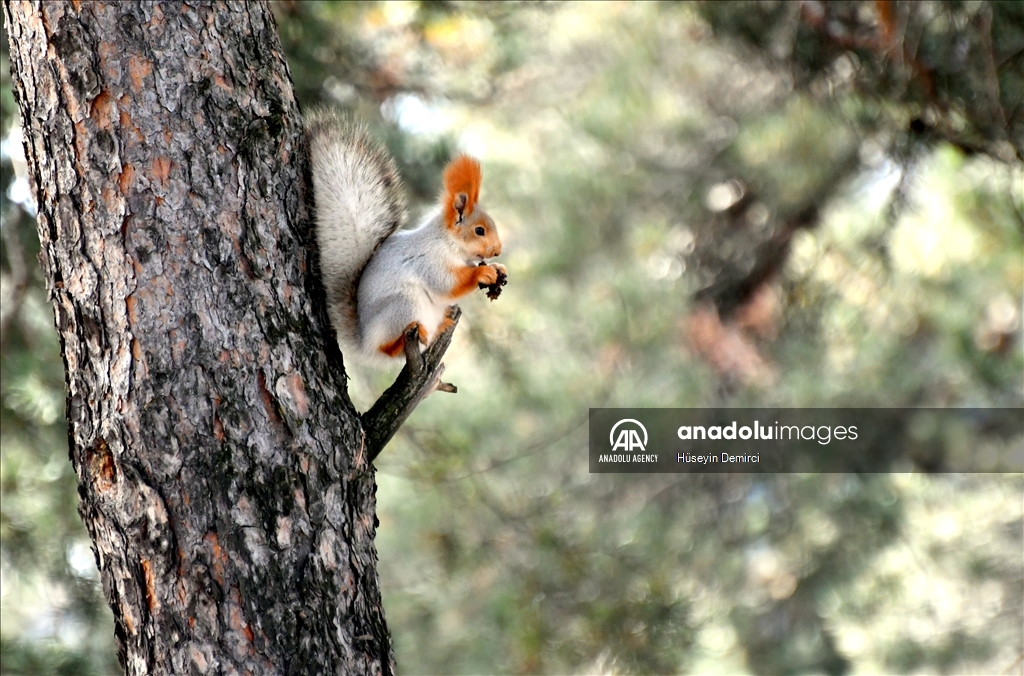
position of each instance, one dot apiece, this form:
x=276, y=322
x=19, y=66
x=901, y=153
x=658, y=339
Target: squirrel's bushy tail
x=359, y=203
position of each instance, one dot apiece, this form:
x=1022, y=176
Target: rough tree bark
x=223, y=472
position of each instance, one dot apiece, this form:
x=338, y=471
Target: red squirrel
x=382, y=280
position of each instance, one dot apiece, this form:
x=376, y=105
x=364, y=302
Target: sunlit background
x=721, y=204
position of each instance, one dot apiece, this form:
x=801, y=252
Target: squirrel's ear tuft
x=461, y=188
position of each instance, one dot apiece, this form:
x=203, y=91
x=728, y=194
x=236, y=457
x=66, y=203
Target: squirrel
x=382, y=280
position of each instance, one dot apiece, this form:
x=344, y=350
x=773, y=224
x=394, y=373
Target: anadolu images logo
x=628, y=439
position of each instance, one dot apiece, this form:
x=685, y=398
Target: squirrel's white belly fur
x=409, y=266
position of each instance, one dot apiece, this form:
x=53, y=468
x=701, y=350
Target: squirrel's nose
x=496, y=250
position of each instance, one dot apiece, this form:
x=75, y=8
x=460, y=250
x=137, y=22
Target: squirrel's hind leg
x=413, y=331
x=450, y=315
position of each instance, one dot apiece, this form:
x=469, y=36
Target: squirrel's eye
x=479, y=231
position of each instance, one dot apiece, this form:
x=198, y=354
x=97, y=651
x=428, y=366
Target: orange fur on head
x=462, y=175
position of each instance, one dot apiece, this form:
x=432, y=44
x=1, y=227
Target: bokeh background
x=712, y=204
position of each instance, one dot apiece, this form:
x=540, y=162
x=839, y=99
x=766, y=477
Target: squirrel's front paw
x=488, y=275
x=492, y=278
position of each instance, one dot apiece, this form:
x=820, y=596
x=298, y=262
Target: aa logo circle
x=628, y=438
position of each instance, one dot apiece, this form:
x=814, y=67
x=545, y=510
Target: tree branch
x=734, y=287
x=420, y=376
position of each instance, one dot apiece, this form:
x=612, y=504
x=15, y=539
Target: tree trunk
x=221, y=466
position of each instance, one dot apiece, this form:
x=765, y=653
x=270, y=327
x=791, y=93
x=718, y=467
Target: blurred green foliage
x=720, y=204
